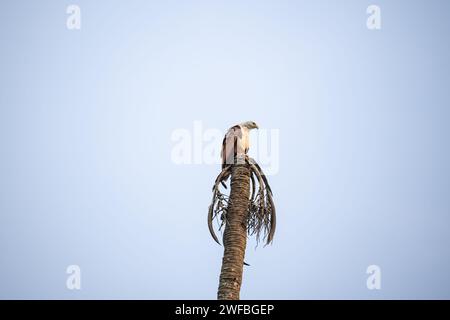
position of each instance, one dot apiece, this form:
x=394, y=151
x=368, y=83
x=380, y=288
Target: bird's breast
x=245, y=139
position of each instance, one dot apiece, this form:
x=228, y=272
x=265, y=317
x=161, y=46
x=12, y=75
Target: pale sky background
x=86, y=117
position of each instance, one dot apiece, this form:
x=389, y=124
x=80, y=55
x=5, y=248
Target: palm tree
x=241, y=213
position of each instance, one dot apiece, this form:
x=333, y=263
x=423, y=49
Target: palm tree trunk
x=235, y=234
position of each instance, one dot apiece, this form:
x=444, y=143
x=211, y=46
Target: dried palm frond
x=261, y=217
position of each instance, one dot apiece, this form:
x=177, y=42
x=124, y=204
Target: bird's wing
x=232, y=145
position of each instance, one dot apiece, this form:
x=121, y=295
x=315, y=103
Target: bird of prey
x=236, y=143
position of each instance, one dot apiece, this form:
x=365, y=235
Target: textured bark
x=235, y=234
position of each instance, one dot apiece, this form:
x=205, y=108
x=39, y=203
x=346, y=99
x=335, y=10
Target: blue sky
x=86, y=118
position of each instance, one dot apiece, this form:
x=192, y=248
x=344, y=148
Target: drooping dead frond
x=261, y=217
x=262, y=214
x=219, y=203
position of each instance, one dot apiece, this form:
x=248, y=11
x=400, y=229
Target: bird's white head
x=250, y=125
